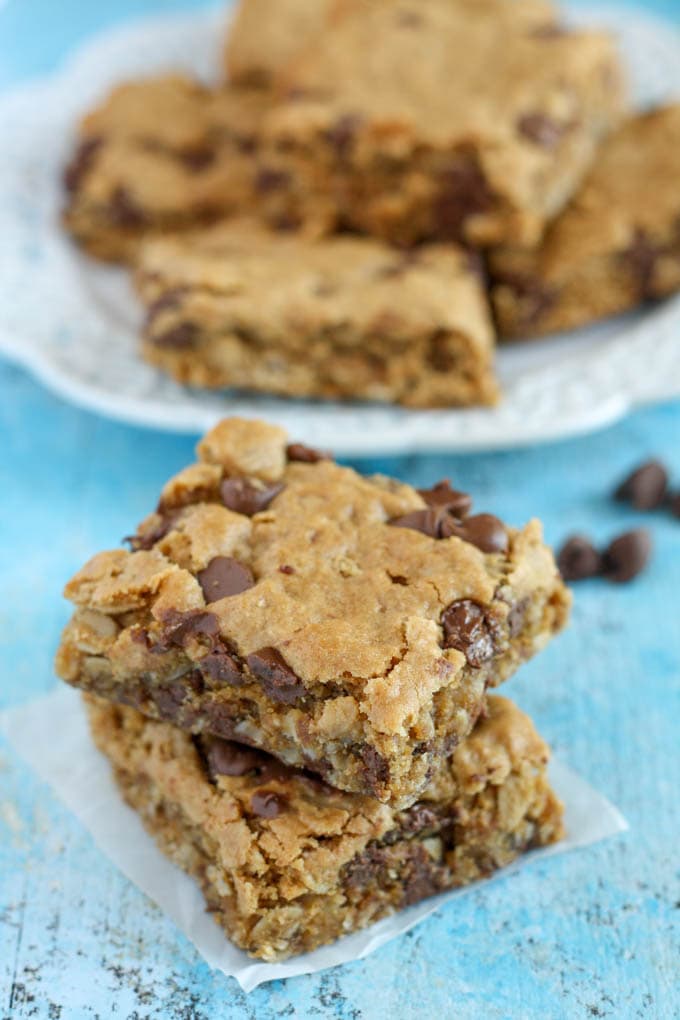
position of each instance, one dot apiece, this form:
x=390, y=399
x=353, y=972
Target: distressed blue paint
x=592, y=934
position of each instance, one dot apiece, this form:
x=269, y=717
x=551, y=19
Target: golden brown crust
x=287, y=863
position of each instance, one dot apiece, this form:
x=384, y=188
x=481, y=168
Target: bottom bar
x=288, y=864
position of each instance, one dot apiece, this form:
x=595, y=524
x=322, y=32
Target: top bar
x=345, y=624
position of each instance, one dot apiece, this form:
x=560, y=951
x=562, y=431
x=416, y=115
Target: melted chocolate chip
x=178, y=627
x=646, y=487
x=244, y=497
x=169, y=697
x=484, y=531
x=376, y=769
x=81, y=164
x=578, y=559
x=280, y=682
x=268, y=179
x=517, y=616
x=541, y=129
x=626, y=556
x=442, y=495
x=423, y=878
x=146, y=540
x=223, y=577
x=417, y=818
x=222, y=666
x=181, y=337
x=467, y=629
x=267, y=804
x=225, y=758
x=168, y=300
x=124, y=211
x=342, y=134
x=463, y=192
x=306, y=454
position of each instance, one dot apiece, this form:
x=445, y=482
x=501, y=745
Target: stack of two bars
x=288, y=673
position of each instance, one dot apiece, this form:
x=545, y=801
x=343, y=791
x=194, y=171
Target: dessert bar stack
x=288, y=671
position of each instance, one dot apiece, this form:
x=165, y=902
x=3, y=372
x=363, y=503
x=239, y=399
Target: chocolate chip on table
x=466, y=628
x=484, y=531
x=224, y=576
x=267, y=804
x=646, y=487
x=626, y=556
x=441, y=494
x=225, y=758
x=306, y=454
x=281, y=683
x=244, y=497
x=578, y=559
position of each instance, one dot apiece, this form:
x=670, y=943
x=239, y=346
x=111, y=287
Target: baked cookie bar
x=341, y=317
x=265, y=35
x=474, y=119
x=159, y=154
x=346, y=624
x=616, y=245
x=288, y=864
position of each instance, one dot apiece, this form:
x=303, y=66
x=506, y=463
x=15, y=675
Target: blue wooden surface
x=593, y=934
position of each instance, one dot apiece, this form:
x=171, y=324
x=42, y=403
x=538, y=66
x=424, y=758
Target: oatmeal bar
x=475, y=118
x=158, y=154
x=288, y=864
x=346, y=624
x=340, y=318
x=615, y=246
x=266, y=34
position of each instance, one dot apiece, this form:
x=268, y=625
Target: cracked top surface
x=280, y=284
x=279, y=823
x=289, y=561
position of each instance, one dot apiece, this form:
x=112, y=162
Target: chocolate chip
x=417, y=818
x=181, y=337
x=124, y=211
x=342, y=134
x=169, y=697
x=168, y=300
x=81, y=164
x=146, y=540
x=645, y=487
x=285, y=568
x=224, y=576
x=429, y=522
x=462, y=193
x=267, y=804
x=280, y=682
x=467, y=629
x=442, y=495
x=484, y=531
x=517, y=616
x=626, y=556
x=225, y=758
x=578, y=558
x=178, y=627
x=423, y=878
x=641, y=257
x=244, y=497
x=222, y=666
x=541, y=129
x=306, y=454
x=268, y=179
x=376, y=769
x=198, y=158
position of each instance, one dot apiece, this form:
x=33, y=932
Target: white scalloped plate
x=72, y=322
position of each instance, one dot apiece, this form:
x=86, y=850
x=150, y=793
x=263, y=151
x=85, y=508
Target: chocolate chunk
x=463, y=192
x=365, y=868
x=222, y=666
x=224, y=576
x=578, y=558
x=517, y=616
x=169, y=697
x=268, y=179
x=267, y=804
x=646, y=487
x=244, y=497
x=342, y=134
x=626, y=556
x=306, y=454
x=181, y=337
x=81, y=164
x=376, y=769
x=442, y=495
x=124, y=211
x=178, y=627
x=541, y=129
x=280, y=682
x=198, y=158
x=423, y=878
x=225, y=758
x=168, y=300
x=641, y=257
x=467, y=629
x=417, y=818
x=484, y=531
x=429, y=522
x=285, y=568
x=147, y=539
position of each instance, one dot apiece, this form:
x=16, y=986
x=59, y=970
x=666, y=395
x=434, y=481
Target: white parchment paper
x=51, y=734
